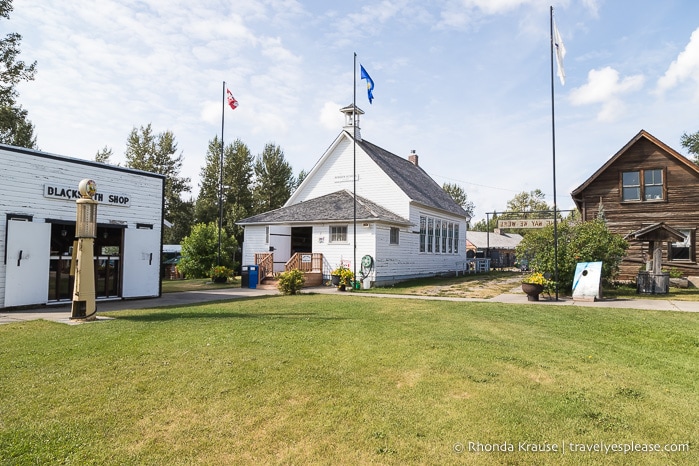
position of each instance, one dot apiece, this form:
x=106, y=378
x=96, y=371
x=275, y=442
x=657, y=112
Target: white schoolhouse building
x=405, y=221
x=37, y=228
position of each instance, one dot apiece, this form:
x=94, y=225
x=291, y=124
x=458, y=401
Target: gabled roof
x=412, y=179
x=657, y=232
x=333, y=207
x=641, y=135
x=483, y=239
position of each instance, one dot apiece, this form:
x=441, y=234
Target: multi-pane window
x=394, y=235
x=445, y=226
x=682, y=250
x=338, y=234
x=456, y=238
x=438, y=236
x=631, y=186
x=653, y=184
x=647, y=185
x=430, y=233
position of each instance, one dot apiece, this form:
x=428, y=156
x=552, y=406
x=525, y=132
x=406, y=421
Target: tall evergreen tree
x=274, y=179
x=237, y=186
x=15, y=127
x=158, y=154
x=460, y=197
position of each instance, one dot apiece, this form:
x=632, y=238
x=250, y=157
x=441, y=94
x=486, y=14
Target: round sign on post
x=87, y=188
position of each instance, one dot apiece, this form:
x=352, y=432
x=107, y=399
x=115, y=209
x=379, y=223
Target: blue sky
x=464, y=83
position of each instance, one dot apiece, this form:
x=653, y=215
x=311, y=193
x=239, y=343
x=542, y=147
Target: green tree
x=237, y=182
x=157, y=154
x=104, y=155
x=15, y=127
x=460, y=197
x=691, y=143
x=489, y=224
x=200, y=250
x=274, y=179
x=577, y=242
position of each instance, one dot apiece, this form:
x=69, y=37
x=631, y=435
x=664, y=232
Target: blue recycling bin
x=253, y=273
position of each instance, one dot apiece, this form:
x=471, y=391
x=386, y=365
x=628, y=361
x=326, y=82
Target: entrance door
x=141, y=264
x=27, y=272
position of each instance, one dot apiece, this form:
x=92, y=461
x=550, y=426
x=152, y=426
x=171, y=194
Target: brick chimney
x=412, y=158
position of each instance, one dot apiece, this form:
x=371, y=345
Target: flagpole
x=553, y=142
x=354, y=166
x=220, y=173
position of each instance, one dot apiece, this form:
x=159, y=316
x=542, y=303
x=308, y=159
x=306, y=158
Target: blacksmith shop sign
x=70, y=193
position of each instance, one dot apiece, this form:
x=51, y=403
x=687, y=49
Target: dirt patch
x=483, y=288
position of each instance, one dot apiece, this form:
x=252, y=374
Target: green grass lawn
x=336, y=379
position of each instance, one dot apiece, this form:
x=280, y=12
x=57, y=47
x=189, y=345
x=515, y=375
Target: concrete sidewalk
x=62, y=312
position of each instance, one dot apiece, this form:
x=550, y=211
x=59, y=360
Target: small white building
x=37, y=230
x=404, y=220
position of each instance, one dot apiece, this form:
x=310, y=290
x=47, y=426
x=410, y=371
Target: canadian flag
x=231, y=100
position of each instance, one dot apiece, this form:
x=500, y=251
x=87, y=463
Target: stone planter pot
x=335, y=279
x=532, y=290
x=220, y=279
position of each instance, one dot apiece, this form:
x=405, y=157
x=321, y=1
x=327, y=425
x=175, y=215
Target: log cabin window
x=394, y=235
x=338, y=234
x=631, y=186
x=682, y=250
x=653, y=184
x=647, y=185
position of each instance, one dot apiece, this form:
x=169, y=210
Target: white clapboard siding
x=26, y=173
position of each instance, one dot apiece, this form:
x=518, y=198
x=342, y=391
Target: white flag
x=560, y=52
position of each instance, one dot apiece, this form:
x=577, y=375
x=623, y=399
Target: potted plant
x=533, y=285
x=346, y=279
x=335, y=275
x=220, y=273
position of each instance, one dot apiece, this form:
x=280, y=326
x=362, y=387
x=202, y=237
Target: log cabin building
x=644, y=184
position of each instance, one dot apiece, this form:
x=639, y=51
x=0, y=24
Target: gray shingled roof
x=412, y=179
x=481, y=239
x=333, y=207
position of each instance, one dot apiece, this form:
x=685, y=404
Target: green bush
x=291, y=282
x=589, y=241
x=200, y=251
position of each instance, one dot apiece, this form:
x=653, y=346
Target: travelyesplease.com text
x=570, y=447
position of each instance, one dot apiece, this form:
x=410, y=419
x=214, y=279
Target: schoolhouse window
x=430, y=233
x=653, y=184
x=423, y=232
x=437, y=235
x=338, y=234
x=631, y=186
x=444, y=236
x=456, y=238
x=682, y=250
x=394, y=235
x=450, y=241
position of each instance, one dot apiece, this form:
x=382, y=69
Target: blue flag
x=369, y=83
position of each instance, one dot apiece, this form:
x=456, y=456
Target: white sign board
x=525, y=223
x=587, y=281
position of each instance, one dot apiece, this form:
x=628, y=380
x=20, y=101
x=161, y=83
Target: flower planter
x=532, y=290
x=335, y=279
x=220, y=279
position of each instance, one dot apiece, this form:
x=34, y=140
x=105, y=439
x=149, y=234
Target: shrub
x=200, y=250
x=589, y=241
x=291, y=282
x=220, y=271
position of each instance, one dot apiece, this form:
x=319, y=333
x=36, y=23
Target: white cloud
x=330, y=116
x=686, y=66
x=604, y=87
